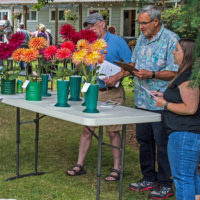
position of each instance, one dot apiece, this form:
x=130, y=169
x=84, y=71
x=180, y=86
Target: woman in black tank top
x=182, y=119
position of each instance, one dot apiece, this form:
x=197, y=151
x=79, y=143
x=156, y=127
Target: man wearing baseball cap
x=117, y=50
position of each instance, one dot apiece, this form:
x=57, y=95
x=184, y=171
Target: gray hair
x=153, y=11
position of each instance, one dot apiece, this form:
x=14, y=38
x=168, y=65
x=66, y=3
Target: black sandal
x=116, y=177
x=76, y=173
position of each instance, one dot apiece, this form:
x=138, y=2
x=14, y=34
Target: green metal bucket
x=62, y=93
x=91, y=99
x=34, y=91
x=8, y=86
x=45, y=78
x=75, y=88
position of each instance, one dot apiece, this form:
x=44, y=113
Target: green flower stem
x=64, y=69
x=84, y=71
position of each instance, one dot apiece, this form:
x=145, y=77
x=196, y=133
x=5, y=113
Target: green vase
x=62, y=93
x=75, y=88
x=45, y=85
x=91, y=99
x=8, y=86
x=34, y=91
x=83, y=104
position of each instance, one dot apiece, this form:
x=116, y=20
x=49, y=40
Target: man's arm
x=161, y=75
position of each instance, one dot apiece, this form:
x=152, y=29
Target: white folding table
x=107, y=116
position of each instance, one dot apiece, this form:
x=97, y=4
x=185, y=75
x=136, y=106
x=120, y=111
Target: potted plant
x=88, y=56
x=33, y=79
x=63, y=54
x=10, y=73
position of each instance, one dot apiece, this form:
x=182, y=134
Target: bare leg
x=115, y=140
x=84, y=145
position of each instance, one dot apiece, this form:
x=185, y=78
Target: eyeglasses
x=89, y=26
x=144, y=23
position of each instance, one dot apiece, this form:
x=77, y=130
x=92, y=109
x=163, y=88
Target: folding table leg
x=122, y=161
x=99, y=161
x=18, y=123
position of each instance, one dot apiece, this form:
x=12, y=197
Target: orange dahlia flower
x=98, y=45
x=78, y=56
x=82, y=44
x=92, y=58
x=30, y=55
x=37, y=43
x=17, y=54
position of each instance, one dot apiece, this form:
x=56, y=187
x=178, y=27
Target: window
x=32, y=15
x=128, y=24
x=91, y=11
x=52, y=15
x=2, y=13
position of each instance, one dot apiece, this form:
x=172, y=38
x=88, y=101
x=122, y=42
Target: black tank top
x=175, y=122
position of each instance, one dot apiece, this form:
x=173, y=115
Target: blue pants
x=184, y=156
x=150, y=136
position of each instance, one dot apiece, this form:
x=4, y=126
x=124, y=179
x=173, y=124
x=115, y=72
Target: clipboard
x=126, y=67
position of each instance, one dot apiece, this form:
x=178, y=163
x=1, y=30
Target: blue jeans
x=184, y=156
x=150, y=136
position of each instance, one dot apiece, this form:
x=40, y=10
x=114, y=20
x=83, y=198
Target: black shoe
x=163, y=192
x=143, y=185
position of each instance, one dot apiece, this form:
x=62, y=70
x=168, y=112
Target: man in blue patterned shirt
x=154, y=60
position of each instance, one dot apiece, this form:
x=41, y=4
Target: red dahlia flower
x=76, y=37
x=6, y=50
x=63, y=53
x=67, y=31
x=69, y=45
x=50, y=52
x=17, y=39
x=88, y=35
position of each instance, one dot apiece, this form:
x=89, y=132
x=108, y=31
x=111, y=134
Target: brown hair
x=188, y=47
x=112, y=29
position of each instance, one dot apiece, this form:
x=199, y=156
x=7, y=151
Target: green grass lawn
x=58, y=150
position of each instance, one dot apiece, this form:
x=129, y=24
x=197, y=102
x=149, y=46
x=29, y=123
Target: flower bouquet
x=10, y=73
x=33, y=80
x=69, y=33
x=89, y=56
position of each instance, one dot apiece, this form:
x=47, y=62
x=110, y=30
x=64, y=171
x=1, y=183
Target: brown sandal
x=116, y=177
x=76, y=173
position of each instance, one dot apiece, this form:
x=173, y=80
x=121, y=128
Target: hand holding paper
x=148, y=91
x=108, y=70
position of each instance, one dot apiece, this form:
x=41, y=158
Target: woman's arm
x=190, y=99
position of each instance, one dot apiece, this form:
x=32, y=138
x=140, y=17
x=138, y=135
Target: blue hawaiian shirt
x=155, y=55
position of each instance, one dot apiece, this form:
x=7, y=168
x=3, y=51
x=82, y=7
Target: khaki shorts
x=116, y=94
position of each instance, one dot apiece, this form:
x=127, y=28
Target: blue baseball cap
x=93, y=18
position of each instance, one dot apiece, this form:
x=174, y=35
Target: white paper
x=85, y=87
x=49, y=77
x=148, y=91
x=109, y=104
x=109, y=69
x=25, y=84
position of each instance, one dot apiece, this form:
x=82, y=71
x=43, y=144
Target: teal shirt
x=155, y=55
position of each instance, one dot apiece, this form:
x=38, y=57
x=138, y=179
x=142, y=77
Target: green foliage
x=175, y=20
x=90, y=74
x=10, y=74
x=192, y=12
x=41, y=4
x=70, y=16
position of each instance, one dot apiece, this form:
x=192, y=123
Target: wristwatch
x=153, y=74
x=166, y=106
